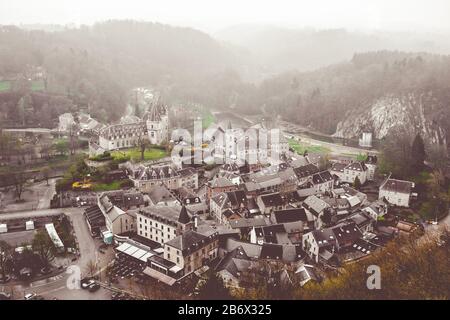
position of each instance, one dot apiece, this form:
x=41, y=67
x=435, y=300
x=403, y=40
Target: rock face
x=412, y=111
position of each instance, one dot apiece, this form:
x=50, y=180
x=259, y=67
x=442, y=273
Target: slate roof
x=272, y=199
x=324, y=237
x=290, y=215
x=184, y=216
x=269, y=233
x=235, y=262
x=306, y=171
x=160, y=193
x=247, y=223
x=220, y=182
x=338, y=166
x=253, y=251
x=161, y=172
x=400, y=186
x=171, y=214
x=322, y=177
x=315, y=205
x=357, y=166
x=191, y=241
x=346, y=233
x=271, y=251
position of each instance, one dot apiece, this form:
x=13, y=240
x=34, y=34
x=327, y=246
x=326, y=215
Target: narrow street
x=47, y=195
x=57, y=286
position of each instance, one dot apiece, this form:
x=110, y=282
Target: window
x=168, y=256
x=178, y=259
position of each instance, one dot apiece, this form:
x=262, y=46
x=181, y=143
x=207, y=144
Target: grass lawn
x=115, y=185
x=301, y=147
x=37, y=85
x=207, y=118
x=135, y=154
x=5, y=86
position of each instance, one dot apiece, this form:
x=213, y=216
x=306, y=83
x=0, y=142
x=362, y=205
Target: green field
x=301, y=147
x=135, y=154
x=38, y=85
x=207, y=118
x=115, y=185
x=5, y=86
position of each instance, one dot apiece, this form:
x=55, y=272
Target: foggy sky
x=213, y=15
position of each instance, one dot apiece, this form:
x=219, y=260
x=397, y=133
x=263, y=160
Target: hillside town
x=241, y=202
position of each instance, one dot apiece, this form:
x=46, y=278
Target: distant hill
x=97, y=65
x=278, y=49
x=373, y=91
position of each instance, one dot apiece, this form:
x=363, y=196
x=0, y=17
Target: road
x=444, y=223
x=47, y=194
x=335, y=148
x=57, y=286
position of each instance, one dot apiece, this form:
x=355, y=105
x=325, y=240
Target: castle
x=154, y=126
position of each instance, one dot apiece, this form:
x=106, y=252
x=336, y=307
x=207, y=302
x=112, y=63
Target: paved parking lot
x=125, y=267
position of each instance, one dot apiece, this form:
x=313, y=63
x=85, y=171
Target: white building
x=355, y=169
x=66, y=121
x=154, y=127
x=117, y=220
x=157, y=123
x=396, y=192
x=163, y=223
x=146, y=177
x=121, y=136
x=252, y=145
x=366, y=140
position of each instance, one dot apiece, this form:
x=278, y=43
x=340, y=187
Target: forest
x=95, y=67
x=43, y=74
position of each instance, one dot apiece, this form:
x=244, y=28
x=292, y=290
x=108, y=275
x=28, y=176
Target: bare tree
x=91, y=268
x=46, y=173
x=143, y=143
x=44, y=247
x=19, y=180
x=5, y=253
x=72, y=140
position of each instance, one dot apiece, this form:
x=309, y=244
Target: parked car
x=94, y=287
x=30, y=296
x=85, y=283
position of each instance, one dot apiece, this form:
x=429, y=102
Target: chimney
x=195, y=222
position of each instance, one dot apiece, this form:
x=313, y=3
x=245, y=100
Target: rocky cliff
x=413, y=111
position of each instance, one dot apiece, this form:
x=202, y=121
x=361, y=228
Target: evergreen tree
x=418, y=154
x=214, y=289
x=357, y=183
